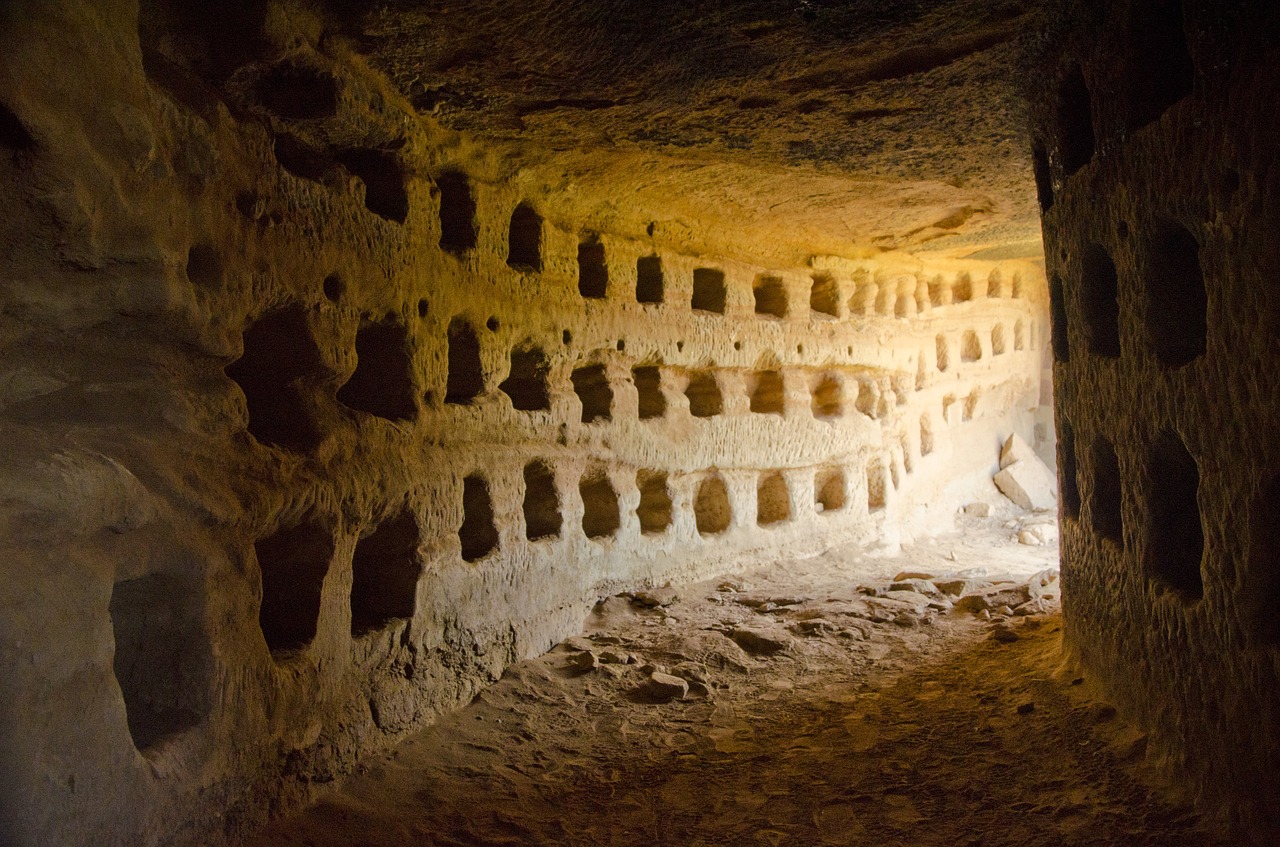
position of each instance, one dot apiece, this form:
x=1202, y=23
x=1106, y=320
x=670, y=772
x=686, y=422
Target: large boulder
x=1029, y=483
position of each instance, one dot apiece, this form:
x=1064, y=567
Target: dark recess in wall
x=158, y=656
x=384, y=574
x=298, y=93
x=458, y=231
x=703, y=393
x=13, y=134
x=654, y=510
x=293, y=563
x=648, y=382
x=767, y=393
x=541, y=502
x=1263, y=577
x=829, y=490
x=1068, y=482
x=1177, y=322
x=478, y=533
x=1076, y=139
x=382, y=384
x=824, y=295
x=279, y=359
x=591, y=385
x=527, y=383
x=826, y=402
x=593, y=272
x=1044, y=181
x=466, y=374
x=524, y=239
x=383, y=176
x=1160, y=71
x=204, y=266
x=649, y=280
x=1099, y=302
x=1058, y=320
x=1105, y=501
x=711, y=512
x=300, y=158
x=709, y=292
x=773, y=503
x=1175, y=536
x=770, y=296
x=600, y=515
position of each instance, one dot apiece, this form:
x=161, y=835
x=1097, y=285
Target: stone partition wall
x=317, y=416
x=1156, y=162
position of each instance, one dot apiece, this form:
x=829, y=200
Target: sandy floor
x=815, y=713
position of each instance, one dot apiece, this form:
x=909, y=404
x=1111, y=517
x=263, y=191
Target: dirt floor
x=803, y=704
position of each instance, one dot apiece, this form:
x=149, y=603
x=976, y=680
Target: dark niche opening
x=601, y=517
x=773, y=502
x=384, y=574
x=591, y=384
x=876, y=485
x=1263, y=578
x=1177, y=307
x=160, y=661
x=767, y=393
x=458, y=231
x=382, y=384
x=13, y=135
x=1044, y=182
x=1058, y=320
x=1067, y=479
x=526, y=384
x=648, y=381
x=1105, y=503
x=293, y=563
x=1175, y=535
x=280, y=359
x=771, y=296
x=711, y=511
x=524, y=239
x=703, y=393
x=1075, y=122
x=478, y=533
x=829, y=490
x=1099, y=302
x=654, y=510
x=542, y=517
x=649, y=280
x=204, y=266
x=824, y=295
x=466, y=374
x=298, y=93
x=383, y=176
x=1160, y=71
x=970, y=347
x=593, y=271
x=827, y=402
x=709, y=292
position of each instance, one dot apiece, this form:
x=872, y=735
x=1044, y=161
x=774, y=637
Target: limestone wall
x=316, y=416
x=1156, y=151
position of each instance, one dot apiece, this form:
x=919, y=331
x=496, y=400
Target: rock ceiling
x=775, y=129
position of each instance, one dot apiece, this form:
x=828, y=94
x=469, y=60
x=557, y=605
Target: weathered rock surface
x=1029, y=483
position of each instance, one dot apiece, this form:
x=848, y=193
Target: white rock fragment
x=1015, y=450
x=1029, y=484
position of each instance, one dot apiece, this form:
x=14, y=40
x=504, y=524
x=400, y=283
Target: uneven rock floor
x=815, y=713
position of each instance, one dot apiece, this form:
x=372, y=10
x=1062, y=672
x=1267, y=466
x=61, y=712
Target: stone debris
x=1016, y=450
x=1029, y=484
x=978, y=510
x=586, y=661
x=759, y=642
x=662, y=687
x=655, y=597
x=1004, y=634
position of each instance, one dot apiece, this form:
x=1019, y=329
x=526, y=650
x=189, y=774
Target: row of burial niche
x=1166, y=504
x=1158, y=71
x=1169, y=289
